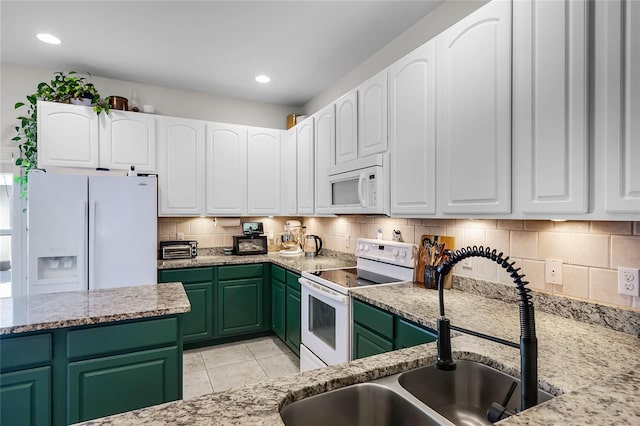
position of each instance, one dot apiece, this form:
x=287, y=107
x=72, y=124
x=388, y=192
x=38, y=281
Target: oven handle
x=333, y=295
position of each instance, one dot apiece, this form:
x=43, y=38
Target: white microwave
x=358, y=189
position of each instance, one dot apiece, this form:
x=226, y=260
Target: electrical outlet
x=553, y=271
x=628, y=282
x=346, y=241
x=467, y=264
x=180, y=235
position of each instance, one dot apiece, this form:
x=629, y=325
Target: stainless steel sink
x=365, y=404
x=464, y=395
x=424, y=396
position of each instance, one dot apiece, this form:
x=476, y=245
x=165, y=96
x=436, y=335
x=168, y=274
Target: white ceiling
x=215, y=47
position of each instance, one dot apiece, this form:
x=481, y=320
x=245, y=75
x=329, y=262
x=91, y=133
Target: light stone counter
x=74, y=308
x=294, y=263
x=593, y=368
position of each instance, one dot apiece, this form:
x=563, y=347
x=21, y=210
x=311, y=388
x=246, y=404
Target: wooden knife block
x=449, y=244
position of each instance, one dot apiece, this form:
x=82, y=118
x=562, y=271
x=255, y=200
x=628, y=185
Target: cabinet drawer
x=373, y=318
x=240, y=271
x=25, y=351
x=122, y=337
x=277, y=273
x=292, y=280
x=190, y=275
x=409, y=334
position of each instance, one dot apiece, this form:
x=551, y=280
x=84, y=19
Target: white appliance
x=359, y=186
x=326, y=306
x=90, y=232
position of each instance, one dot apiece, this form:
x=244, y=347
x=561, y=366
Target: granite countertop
x=294, y=263
x=575, y=362
x=74, y=308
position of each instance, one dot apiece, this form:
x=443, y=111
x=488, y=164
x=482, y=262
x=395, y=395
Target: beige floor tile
x=236, y=375
x=267, y=347
x=280, y=365
x=226, y=354
x=192, y=361
x=195, y=384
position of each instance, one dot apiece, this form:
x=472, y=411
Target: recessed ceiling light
x=48, y=38
x=262, y=78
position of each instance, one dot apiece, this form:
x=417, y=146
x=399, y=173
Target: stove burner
x=353, y=277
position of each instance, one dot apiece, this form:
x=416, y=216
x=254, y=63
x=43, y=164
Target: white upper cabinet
x=263, y=172
x=128, y=139
x=617, y=106
x=180, y=167
x=372, y=115
x=305, y=166
x=412, y=125
x=550, y=137
x=324, y=140
x=68, y=136
x=226, y=169
x=289, y=182
x=346, y=144
x=474, y=113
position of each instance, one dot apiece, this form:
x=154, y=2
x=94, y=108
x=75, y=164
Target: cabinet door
x=293, y=312
x=197, y=324
x=412, y=132
x=367, y=343
x=68, y=136
x=126, y=139
x=180, y=167
x=226, y=169
x=305, y=166
x=474, y=112
x=550, y=105
x=408, y=334
x=617, y=105
x=325, y=139
x=346, y=146
x=290, y=172
x=372, y=115
x=263, y=172
x=239, y=306
x=104, y=386
x=25, y=397
x=278, y=301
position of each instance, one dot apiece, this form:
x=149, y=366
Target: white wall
x=17, y=81
x=424, y=30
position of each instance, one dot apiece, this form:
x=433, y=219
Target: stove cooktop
x=352, y=277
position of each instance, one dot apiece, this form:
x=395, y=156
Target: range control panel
x=393, y=252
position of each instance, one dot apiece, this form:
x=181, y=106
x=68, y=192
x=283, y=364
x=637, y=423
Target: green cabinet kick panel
x=376, y=331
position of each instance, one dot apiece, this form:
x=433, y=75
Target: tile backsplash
x=591, y=252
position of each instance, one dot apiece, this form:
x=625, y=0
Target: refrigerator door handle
x=92, y=246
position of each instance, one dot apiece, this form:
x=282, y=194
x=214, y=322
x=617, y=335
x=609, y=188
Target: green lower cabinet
x=25, y=397
x=104, y=386
x=367, y=343
x=239, y=306
x=293, y=312
x=278, y=301
x=197, y=324
x=409, y=334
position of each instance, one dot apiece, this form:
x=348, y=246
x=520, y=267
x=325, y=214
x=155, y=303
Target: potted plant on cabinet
x=66, y=88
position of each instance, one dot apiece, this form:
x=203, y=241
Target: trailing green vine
x=62, y=88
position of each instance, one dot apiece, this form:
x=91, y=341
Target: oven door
x=325, y=322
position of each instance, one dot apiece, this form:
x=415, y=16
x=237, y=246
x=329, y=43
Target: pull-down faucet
x=528, y=342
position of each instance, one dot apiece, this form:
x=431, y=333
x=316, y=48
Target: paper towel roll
x=227, y=221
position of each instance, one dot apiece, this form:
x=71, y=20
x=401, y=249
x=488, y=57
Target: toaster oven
x=179, y=249
x=250, y=244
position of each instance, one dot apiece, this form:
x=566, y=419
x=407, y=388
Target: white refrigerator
x=90, y=232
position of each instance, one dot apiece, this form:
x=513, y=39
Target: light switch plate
x=553, y=271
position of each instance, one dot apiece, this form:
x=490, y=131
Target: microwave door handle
x=361, y=180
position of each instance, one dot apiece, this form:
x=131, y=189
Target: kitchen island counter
x=575, y=362
x=70, y=309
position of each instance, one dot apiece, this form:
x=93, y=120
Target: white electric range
x=326, y=305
